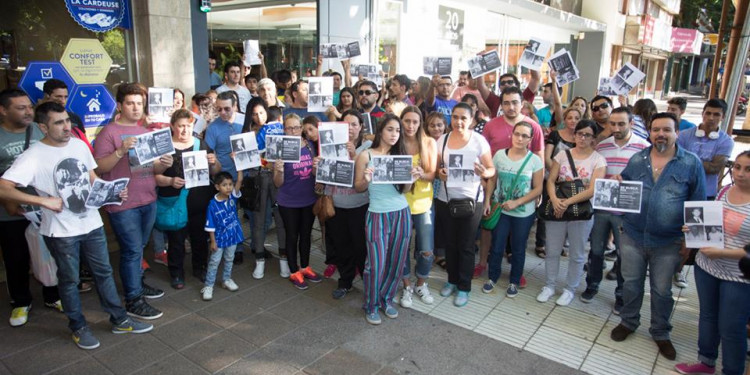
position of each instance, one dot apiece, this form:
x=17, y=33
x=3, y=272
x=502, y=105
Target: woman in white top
x=459, y=232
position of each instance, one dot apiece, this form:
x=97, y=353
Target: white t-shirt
x=243, y=94
x=59, y=172
x=477, y=146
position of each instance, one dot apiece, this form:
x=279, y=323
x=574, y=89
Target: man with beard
x=601, y=107
x=368, y=100
x=438, y=99
x=494, y=102
x=299, y=98
x=398, y=89
x=617, y=150
x=652, y=239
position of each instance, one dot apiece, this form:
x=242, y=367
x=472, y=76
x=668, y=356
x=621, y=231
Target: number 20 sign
x=451, y=25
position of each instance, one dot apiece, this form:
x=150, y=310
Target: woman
x=723, y=292
x=434, y=126
x=528, y=110
x=179, y=99
x=421, y=88
x=346, y=229
x=643, y=109
x=172, y=183
x=582, y=105
x=460, y=232
x=520, y=176
x=590, y=166
x=424, y=153
x=477, y=123
x=388, y=223
x=296, y=197
x=346, y=102
x=310, y=129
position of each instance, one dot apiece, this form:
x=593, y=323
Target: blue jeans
x=158, y=241
x=67, y=252
x=133, y=229
x=213, y=264
x=604, y=222
x=662, y=263
x=724, y=311
x=520, y=227
x=424, y=244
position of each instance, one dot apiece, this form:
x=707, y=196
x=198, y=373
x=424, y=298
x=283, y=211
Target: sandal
x=539, y=250
x=441, y=262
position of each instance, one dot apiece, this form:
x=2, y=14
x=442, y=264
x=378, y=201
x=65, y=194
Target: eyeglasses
x=508, y=82
x=366, y=92
x=596, y=108
x=293, y=128
x=521, y=135
x=584, y=135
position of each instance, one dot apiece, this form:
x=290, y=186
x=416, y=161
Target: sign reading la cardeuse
x=97, y=15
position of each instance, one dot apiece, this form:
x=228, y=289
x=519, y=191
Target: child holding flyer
x=223, y=226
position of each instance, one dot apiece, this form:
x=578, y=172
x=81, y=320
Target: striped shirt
x=617, y=157
x=736, y=236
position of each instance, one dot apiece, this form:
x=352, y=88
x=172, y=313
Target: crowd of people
x=518, y=155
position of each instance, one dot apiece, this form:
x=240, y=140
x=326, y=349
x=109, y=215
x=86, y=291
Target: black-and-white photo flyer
x=329, y=51
x=352, y=50
x=605, y=88
x=705, y=222
x=461, y=169
x=363, y=70
x=335, y=172
x=562, y=63
x=245, y=148
x=283, y=147
x=195, y=166
x=106, y=192
x=626, y=78
x=332, y=140
x=152, y=145
x=437, y=65
x=320, y=94
x=251, y=48
x=483, y=64
x=390, y=169
x=367, y=124
x=160, y=103
x=534, y=53
x=612, y=195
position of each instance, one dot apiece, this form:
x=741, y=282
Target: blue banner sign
x=38, y=72
x=93, y=103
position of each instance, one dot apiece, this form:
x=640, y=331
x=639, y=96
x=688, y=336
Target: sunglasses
x=507, y=82
x=596, y=108
x=363, y=92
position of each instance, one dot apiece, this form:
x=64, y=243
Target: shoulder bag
x=565, y=190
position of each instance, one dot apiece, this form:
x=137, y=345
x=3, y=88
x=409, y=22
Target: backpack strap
x=722, y=192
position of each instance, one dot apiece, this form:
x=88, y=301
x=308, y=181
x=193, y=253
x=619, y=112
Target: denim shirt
x=661, y=218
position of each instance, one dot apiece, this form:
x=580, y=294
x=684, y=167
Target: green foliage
x=113, y=42
x=232, y=54
x=691, y=8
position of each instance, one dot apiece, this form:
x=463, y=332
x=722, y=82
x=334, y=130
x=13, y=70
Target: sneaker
x=694, y=368
x=680, y=281
x=141, y=309
x=57, y=305
x=284, y=270
x=85, y=286
x=310, y=275
x=423, y=291
x=373, y=318
x=390, y=311
x=462, y=298
x=330, y=270
x=478, y=270
x=298, y=280
x=406, y=300
x=207, y=293
x=545, y=294
x=611, y=275
x=512, y=291
x=610, y=247
x=448, y=289
x=161, y=258
x=151, y=292
x=340, y=293
x=610, y=255
x=132, y=326
x=85, y=339
x=620, y=333
x=565, y=298
x=260, y=269
x=239, y=258
x=230, y=285
x=19, y=316
x=488, y=286
x=522, y=284
x=588, y=295
x=144, y=266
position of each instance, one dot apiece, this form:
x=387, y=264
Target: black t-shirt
x=560, y=144
x=198, y=197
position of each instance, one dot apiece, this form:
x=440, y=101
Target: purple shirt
x=298, y=189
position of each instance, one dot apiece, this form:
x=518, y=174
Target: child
x=223, y=226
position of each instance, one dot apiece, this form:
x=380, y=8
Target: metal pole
x=719, y=47
x=738, y=69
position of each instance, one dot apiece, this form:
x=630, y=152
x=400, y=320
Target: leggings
x=298, y=223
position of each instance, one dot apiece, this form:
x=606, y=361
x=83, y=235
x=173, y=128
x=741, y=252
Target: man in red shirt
x=508, y=80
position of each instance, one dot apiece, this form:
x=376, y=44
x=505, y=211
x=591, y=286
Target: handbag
x=460, y=208
x=489, y=222
x=565, y=190
x=171, y=212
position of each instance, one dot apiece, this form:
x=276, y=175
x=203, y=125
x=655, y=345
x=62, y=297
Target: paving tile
x=171, y=308
x=498, y=358
x=289, y=351
x=584, y=325
x=559, y=346
x=341, y=361
x=86, y=366
x=185, y=331
x=376, y=344
x=468, y=316
x=35, y=332
x=262, y=328
x=256, y=364
x=607, y=361
x=45, y=357
x=218, y=351
x=526, y=307
x=174, y=364
x=300, y=309
x=639, y=344
x=145, y=347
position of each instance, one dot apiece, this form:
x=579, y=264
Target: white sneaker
x=680, y=281
x=565, y=298
x=424, y=294
x=230, y=285
x=260, y=269
x=284, y=267
x=545, y=294
x=406, y=300
x=208, y=293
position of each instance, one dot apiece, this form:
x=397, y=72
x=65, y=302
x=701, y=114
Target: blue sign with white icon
x=38, y=72
x=93, y=103
x=97, y=15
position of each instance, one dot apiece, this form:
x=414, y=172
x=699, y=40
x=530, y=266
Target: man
x=215, y=77
x=219, y=131
x=601, y=107
x=18, y=132
x=508, y=80
x=336, y=87
x=617, y=149
x=546, y=114
x=267, y=92
x=300, y=95
x=677, y=107
x=57, y=91
x=471, y=87
x=233, y=74
x=251, y=83
x=398, y=89
x=440, y=100
x=368, y=100
x=463, y=78
x=53, y=166
x=652, y=238
x=133, y=220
